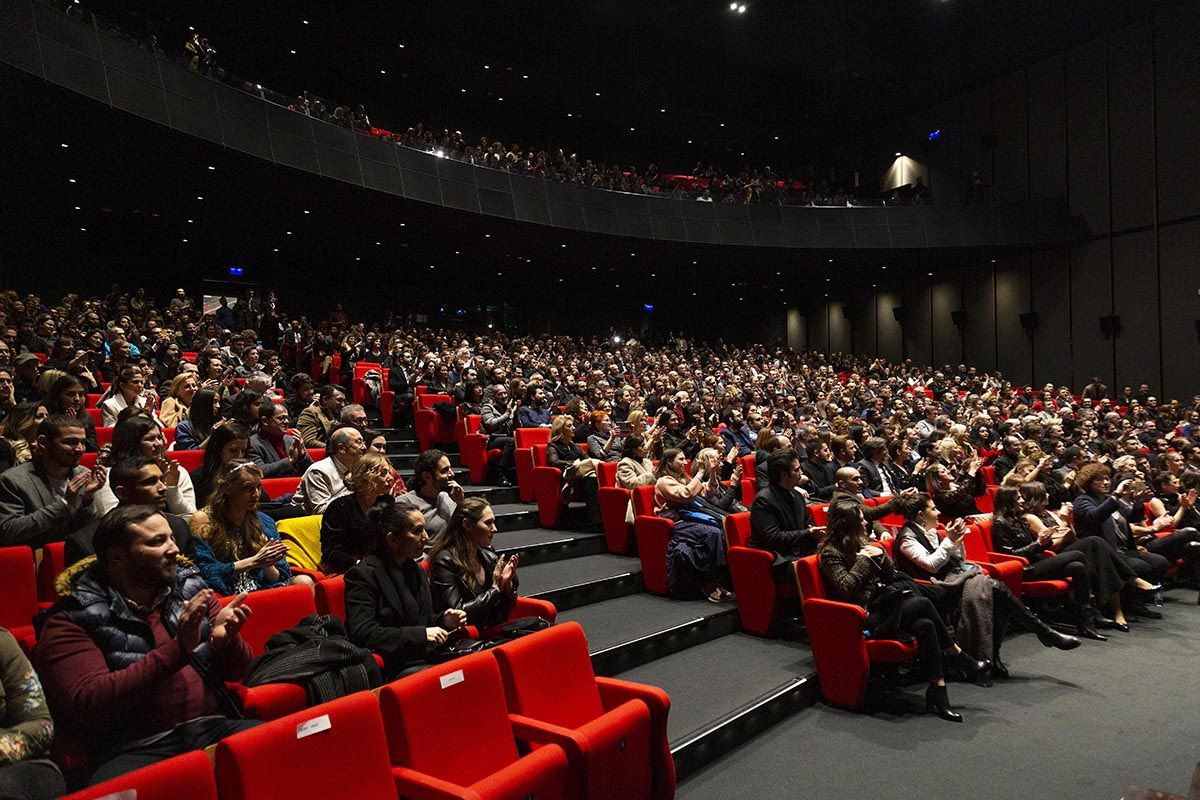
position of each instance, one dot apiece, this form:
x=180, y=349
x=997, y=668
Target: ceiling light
x=526, y=77
x=741, y=9
x=662, y=110
x=293, y=52
x=189, y=221
x=831, y=261
x=569, y=114
x=487, y=236
x=83, y=229
x=185, y=241
x=70, y=180
x=276, y=249
x=306, y=211
x=485, y=66
x=378, y=243
x=431, y=266
x=289, y=233
x=64, y=144
x=383, y=72
x=777, y=138
x=931, y=274
x=883, y=267
x=464, y=91
x=897, y=155
x=401, y=45
x=305, y=22
x=210, y=166
x=77, y=208
x=733, y=6
x=722, y=124
x=689, y=141
x=597, y=94
x=358, y=258
x=633, y=129
x=198, y=197
x=501, y=99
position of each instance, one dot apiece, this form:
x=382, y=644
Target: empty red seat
x=330, y=751
x=423, y=715
x=54, y=561
x=272, y=611
x=606, y=473
x=185, y=777
x=614, y=508
x=169, y=436
x=103, y=435
x=819, y=513
x=278, y=487
x=526, y=438
x=835, y=630
x=189, y=460
x=18, y=594
x=473, y=450
x=97, y=416
x=652, y=535
x=88, y=460
x=93, y=401
x=614, y=732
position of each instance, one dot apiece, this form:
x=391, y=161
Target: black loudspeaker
x=900, y=313
x=1029, y=320
x=1110, y=326
x=960, y=317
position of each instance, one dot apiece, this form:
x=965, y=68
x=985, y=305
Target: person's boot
x=1085, y=623
x=937, y=701
x=999, y=628
x=974, y=670
x=1019, y=613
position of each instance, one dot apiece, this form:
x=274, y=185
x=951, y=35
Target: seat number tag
x=451, y=678
x=315, y=725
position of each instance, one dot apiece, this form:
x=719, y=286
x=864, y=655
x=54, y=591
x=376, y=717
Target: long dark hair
x=846, y=527
x=54, y=401
x=455, y=539
x=127, y=437
x=220, y=437
x=200, y=413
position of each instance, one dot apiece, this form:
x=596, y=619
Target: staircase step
x=496, y=495
x=541, y=545
x=515, y=516
x=628, y=631
x=578, y=581
x=727, y=690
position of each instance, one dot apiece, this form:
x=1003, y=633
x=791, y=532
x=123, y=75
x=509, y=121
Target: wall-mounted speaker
x=1029, y=320
x=960, y=317
x=1110, y=326
x=900, y=313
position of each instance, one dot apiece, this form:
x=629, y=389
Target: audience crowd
x=1100, y=487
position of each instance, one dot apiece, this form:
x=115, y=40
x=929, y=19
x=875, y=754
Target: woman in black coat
x=579, y=472
x=467, y=573
x=389, y=608
x=346, y=531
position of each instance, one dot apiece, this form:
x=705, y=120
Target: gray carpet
x=623, y=619
x=1083, y=724
x=539, y=578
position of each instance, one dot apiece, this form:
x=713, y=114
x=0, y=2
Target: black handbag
x=883, y=608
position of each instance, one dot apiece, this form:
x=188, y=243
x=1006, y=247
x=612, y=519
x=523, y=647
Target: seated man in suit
x=316, y=423
x=875, y=479
x=280, y=454
x=821, y=481
x=779, y=519
x=849, y=487
x=775, y=443
x=50, y=495
x=136, y=481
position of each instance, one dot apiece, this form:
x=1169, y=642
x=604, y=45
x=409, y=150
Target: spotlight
x=64, y=144
x=733, y=6
x=898, y=155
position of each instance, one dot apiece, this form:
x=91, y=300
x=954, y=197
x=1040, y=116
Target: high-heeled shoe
x=937, y=701
x=1113, y=625
x=999, y=670
x=1086, y=622
x=974, y=670
x=1145, y=586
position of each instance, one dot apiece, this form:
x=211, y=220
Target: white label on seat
x=452, y=678
x=315, y=725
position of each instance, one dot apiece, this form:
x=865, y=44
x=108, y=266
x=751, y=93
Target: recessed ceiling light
x=897, y=155
x=358, y=258
x=70, y=180
x=689, y=141
x=777, y=138
x=305, y=22
x=293, y=52
x=289, y=233
x=383, y=72
x=189, y=221
x=77, y=208
x=501, y=99
x=198, y=197
x=487, y=236
x=306, y=211
x=185, y=241
x=64, y=144
x=597, y=94
x=401, y=45
x=526, y=77
x=485, y=66
x=662, y=110
x=722, y=124
x=633, y=129
x=276, y=249
x=83, y=229
x=464, y=91
x=210, y=166
x=378, y=243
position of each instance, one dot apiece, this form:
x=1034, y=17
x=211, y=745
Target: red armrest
x=419, y=786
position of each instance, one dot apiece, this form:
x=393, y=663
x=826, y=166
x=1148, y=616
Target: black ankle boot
x=937, y=701
x=974, y=670
x=1085, y=626
x=1018, y=612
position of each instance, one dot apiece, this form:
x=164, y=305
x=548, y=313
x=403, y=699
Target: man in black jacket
x=779, y=520
x=821, y=479
x=1004, y=462
x=874, y=453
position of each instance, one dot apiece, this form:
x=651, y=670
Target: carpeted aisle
x=1083, y=724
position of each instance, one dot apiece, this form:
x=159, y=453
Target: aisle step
x=725, y=691
x=579, y=581
x=541, y=545
x=628, y=631
x=514, y=516
x=496, y=495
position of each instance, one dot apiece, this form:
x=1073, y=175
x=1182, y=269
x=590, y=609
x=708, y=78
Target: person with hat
x=25, y=377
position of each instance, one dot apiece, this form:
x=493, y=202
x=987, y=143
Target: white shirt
x=321, y=484
x=931, y=562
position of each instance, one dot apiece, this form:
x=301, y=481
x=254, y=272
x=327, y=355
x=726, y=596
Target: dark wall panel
x=976, y=114
x=891, y=341
x=839, y=328
x=1047, y=130
x=947, y=344
x=979, y=300
x=1087, y=146
x=1137, y=303
x=1177, y=83
x=1052, y=300
x=916, y=329
x=818, y=326
x=1131, y=128
x=1012, y=297
x=1178, y=246
x=1008, y=106
x=1090, y=299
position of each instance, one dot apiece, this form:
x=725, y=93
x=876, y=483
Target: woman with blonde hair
x=179, y=397
x=237, y=547
x=578, y=471
x=20, y=429
x=467, y=573
x=346, y=534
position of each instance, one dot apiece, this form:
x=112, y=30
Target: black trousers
x=1183, y=543
x=1070, y=564
x=507, y=444
x=31, y=780
x=920, y=617
x=185, y=737
x=589, y=487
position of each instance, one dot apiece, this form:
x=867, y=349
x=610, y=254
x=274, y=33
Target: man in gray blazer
x=50, y=496
x=280, y=454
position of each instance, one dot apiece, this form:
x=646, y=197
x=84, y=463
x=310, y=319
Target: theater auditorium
x=603, y=401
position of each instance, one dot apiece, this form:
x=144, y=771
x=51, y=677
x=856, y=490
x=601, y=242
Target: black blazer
x=560, y=454
x=486, y=605
x=346, y=535
x=779, y=522
x=820, y=479
x=870, y=475
x=388, y=608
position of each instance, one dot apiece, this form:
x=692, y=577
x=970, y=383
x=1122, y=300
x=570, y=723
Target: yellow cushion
x=304, y=536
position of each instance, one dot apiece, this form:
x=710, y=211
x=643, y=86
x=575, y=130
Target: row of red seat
x=190, y=460
x=449, y=732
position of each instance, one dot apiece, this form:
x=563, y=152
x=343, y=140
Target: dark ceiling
x=810, y=73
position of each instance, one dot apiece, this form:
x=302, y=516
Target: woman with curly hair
x=237, y=547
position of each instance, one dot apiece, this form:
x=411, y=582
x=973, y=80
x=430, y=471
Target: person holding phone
x=983, y=606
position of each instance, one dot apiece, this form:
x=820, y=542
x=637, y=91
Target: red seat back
x=539, y=455
x=274, y=610
x=427, y=400
x=103, y=435
x=989, y=475
x=974, y=545
x=278, y=487
x=93, y=400
x=169, y=436
x=737, y=529
x=808, y=573
x=548, y=676
x=606, y=473
x=317, y=453
x=97, y=416
x=331, y=596
x=361, y=368
x=88, y=460
x=54, y=561
x=336, y=749
x=189, y=460
x=643, y=500
x=528, y=437
x=18, y=598
x=985, y=529
x=819, y=513
x=423, y=712
x=185, y=777
x=748, y=465
x=189, y=356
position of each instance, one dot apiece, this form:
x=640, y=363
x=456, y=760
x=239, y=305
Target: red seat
x=88, y=460
x=316, y=453
x=97, y=416
x=273, y=610
x=424, y=713
x=1031, y=589
x=189, y=356
x=387, y=405
x=614, y=732
x=333, y=750
x=748, y=473
x=750, y=569
x=93, y=400
x=835, y=631
x=473, y=450
x=652, y=535
x=103, y=435
x=606, y=473
x=19, y=597
x=358, y=387
x=547, y=488
x=748, y=491
x=185, y=777
x=819, y=513
x=169, y=436
x=989, y=476
x=432, y=428
x=331, y=596
x=526, y=438
x=614, y=506
x=278, y=487
x=54, y=561
x=189, y=460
